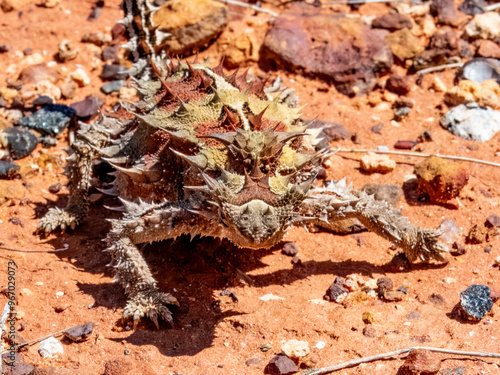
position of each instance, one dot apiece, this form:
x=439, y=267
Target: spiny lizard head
x=256, y=158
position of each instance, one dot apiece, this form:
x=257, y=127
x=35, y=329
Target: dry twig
x=418, y=154
x=354, y=362
x=251, y=6
x=440, y=67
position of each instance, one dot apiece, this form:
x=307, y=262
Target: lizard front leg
x=144, y=223
x=90, y=139
x=338, y=201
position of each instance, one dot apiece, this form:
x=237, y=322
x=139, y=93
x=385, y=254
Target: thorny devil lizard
x=210, y=154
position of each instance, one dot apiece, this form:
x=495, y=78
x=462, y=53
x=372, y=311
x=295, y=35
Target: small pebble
x=497, y=260
x=393, y=296
x=80, y=333
x=54, y=189
x=265, y=348
x=413, y=315
x=369, y=331
x=369, y=317
x=8, y=170
x=405, y=145
x=281, y=365
x=437, y=299
x=295, y=349
x=493, y=221
x=426, y=136
x=87, y=108
x=290, y=249
x=114, y=72
x=385, y=284
x=50, y=347
x=336, y=293
x=401, y=113
x=113, y=86
x=80, y=77
x=320, y=345
x=253, y=361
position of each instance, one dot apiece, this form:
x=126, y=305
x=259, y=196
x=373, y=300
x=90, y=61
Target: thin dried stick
x=440, y=67
x=38, y=339
x=418, y=154
x=251, y=6
x=354, y=362
x=66, y=247
x=357, y=2
x=491, y=7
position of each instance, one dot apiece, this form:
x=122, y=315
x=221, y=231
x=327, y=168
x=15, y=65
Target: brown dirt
x=214, y=334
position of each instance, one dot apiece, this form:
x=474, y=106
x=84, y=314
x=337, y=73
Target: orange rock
x=441, y=179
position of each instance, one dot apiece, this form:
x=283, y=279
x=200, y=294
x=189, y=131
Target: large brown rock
x=338, y=49
x=193, y=24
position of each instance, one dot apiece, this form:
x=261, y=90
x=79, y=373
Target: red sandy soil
x=214, y=334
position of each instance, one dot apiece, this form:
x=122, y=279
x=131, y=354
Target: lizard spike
x=150, y=7
x=195, y=61
x=183, y=106
x=131, y=45
x=306, y=185
x=127, y=20
x=190, y=68
x=129, y=206
x=225, y=138
x=216, y=98
x=211, y=182
x=132, y=172
x=256, y=120
x=110, y=150
x=72, y=158
x=196, y=188
x=207, y=214
x=198, y=160
x=232, y=78
x=218, y=69
x=113, y=191
x=118, y=208
x=161, y=36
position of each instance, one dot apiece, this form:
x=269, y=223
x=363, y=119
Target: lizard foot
x=150, y=304
x=55, y=219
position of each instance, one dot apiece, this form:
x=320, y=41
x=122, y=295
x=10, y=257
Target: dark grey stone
x=476, y=302
x=80, y=333
x=50, y=120
x=8, y=170
x=20, y=142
